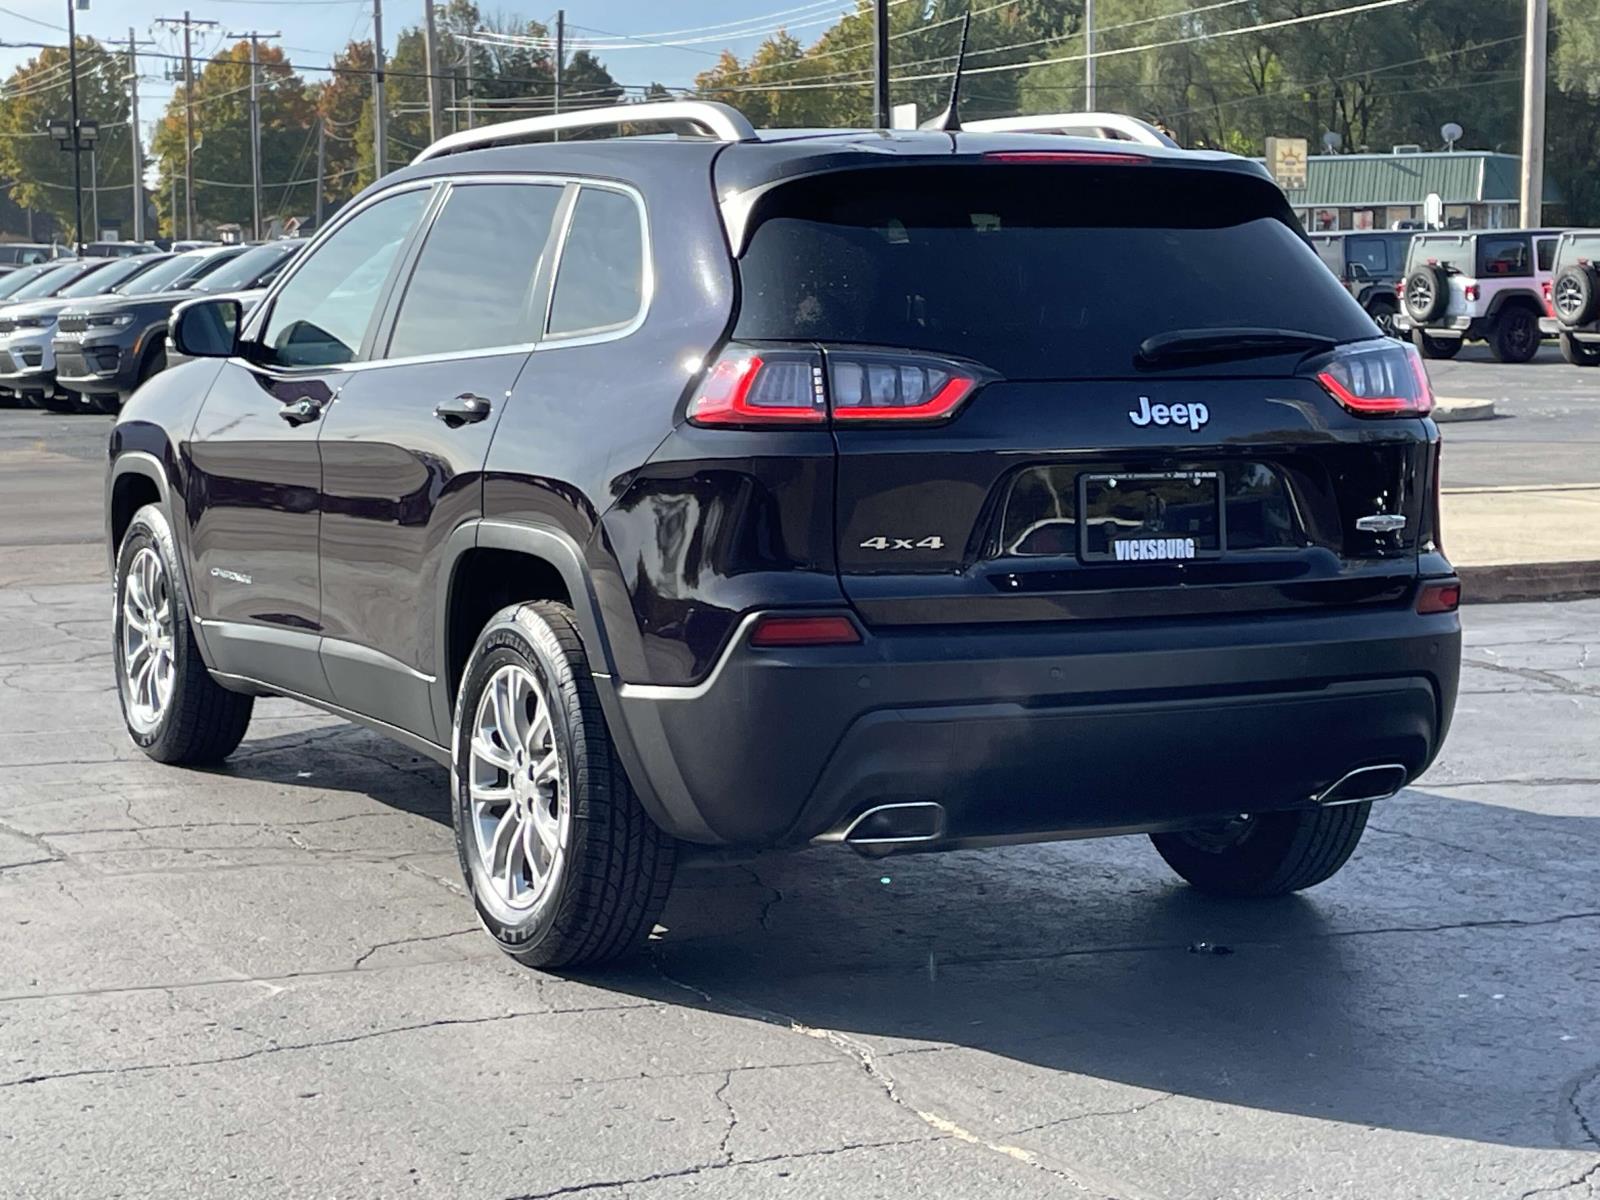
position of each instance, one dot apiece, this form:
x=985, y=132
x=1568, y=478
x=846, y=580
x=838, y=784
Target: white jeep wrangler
x=1485, y=286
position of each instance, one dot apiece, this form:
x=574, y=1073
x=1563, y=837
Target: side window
x=322, y=313
x=1545, y=249
x=1505, y=256
x=473, y=283
x=1371, y=253
x=600, y=282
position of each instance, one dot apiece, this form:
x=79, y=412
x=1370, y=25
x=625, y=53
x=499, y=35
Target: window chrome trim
x=647, y=282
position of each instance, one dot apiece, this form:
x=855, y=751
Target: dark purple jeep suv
x=911, y=490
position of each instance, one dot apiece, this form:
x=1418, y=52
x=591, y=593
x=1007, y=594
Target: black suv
x=1572, y=297
x=755, y=490
x=1369, y=265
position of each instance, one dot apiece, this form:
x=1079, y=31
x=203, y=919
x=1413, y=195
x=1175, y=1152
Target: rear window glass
x=1585, y=246
x=1058, y=275
x=1455, y=253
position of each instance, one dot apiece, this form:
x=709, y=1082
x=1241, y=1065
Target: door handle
x=463, y=410
x=299, y=412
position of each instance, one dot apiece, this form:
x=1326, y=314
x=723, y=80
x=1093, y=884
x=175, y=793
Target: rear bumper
x=1043, y=733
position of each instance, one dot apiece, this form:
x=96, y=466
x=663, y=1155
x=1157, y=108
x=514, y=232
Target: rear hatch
x=1135, y=441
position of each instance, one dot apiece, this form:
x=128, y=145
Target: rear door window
x=473, y=284
x=1037, y=272
x=1370, y=253
x=1544, y=250
x=600, y=281
x=1504, y=256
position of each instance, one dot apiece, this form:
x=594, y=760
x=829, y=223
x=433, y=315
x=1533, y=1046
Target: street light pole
x=1089, y=89
x=77, y=158
x=880, y=63
x=1535, y=55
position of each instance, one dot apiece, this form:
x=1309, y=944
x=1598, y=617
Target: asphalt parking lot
x=265, y=980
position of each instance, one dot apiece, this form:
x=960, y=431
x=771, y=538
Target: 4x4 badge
x=1192, y=415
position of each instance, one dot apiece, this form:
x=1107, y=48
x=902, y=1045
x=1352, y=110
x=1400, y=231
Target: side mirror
x=206, y=328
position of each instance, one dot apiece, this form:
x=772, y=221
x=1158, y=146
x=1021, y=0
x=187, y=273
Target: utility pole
x=188, y=24
x=77, y=156
x=380, y=118
x=430, y=46
x=1089, y=102
x=133, y=131
x=322, y=169
x=1535, y=57
x=471, y=123
x=94, y=193
x=255, y=125
x=880, y=63
x=561, y=55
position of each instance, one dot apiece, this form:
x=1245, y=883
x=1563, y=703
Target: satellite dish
x=1451, y=133
x=1331, y=142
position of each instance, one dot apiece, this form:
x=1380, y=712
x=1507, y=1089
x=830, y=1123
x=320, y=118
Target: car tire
x=1579, y=354
x=59, y=402
x=564, y=866
x=1514, y=334
x=1266, y=854
x=109, y=405
x=1432, y=347
x=1575, y=295
x=1427, y=294
x=174, y=711
x=1383, y=312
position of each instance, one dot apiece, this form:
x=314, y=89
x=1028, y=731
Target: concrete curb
x=1448, y=409
x=1512, y=582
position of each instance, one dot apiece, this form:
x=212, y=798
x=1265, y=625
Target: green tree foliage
x=222, y=130
x=39, y=173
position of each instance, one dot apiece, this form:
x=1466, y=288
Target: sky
x=313, y=30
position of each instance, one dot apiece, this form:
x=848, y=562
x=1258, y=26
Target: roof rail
x=1114, y=126
x=721, y=122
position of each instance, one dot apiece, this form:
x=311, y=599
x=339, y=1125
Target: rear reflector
x=744, y=387
x=1439, y=597
x=1378, y=380
x=771, y=632
x=1088, y=158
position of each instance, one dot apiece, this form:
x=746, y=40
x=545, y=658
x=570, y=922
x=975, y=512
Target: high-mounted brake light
x=1386, y=380
x=771, y=632
x=1088, y=158
x=747, y=387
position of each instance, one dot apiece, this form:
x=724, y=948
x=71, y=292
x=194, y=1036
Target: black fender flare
x=1520, y=295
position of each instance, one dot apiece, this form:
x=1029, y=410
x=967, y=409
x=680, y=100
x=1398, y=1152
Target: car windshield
x=1008, y=265
x=104, y=279
x=166, y=275
x=48, y=283
x=246, y=270
x=12, y=283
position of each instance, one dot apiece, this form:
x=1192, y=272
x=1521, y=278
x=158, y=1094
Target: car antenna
x=950, y=119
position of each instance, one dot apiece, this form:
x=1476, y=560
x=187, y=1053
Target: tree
x=341, y=99
x=37, y=92
x=222, y=133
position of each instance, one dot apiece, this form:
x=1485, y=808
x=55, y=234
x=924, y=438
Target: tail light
x=751, y=386
x=1400, y=287
x=1470, y=291
x=1378, y=380
x=1442, y=597
x=1548, y=288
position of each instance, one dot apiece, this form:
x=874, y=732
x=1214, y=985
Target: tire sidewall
x=518, y=637
x=149, y=528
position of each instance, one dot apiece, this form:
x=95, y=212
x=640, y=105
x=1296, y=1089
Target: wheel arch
x=136, y=478
x=1517, y=298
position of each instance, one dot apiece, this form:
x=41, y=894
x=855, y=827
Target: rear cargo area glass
x=1040, y=272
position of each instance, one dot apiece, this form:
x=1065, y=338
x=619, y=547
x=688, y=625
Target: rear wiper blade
x=1188, y=345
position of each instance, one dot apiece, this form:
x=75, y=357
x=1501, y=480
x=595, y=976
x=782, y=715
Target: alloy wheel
x=1568, y=298
x=521, y=816
x=148, y=668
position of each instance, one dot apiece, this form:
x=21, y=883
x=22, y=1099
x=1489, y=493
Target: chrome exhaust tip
x=1365, y=783
x=886, y=826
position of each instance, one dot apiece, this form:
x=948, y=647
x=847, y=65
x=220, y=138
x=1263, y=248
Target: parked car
x=27, y=254
x=27, y=332
x=118, y=249
x=14, y=281
x=1483, y=286
x=753, y=491
x=1369, y=265
x=46, y=283
x=245, y=279
x=105, y=348
x=1572, y=297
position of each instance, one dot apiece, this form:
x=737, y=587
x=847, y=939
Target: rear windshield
x=1584, y=247
x=1037, y=272
x=1452, y=253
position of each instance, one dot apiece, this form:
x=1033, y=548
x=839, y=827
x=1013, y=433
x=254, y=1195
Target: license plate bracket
x=1151, y=517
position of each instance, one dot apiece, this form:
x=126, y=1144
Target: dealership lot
x=266, y=978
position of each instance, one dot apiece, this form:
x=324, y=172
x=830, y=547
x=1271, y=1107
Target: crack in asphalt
x=289, y=1047
x=1109, y=1112
x=1579, y=1181
x=1533, y=674
x=432, y=937
x=1433, y=841
x=598, y=1185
